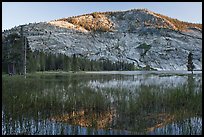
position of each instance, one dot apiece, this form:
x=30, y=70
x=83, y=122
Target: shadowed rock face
x=140, y=36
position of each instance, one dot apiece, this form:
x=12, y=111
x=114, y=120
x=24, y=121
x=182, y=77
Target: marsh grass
x=43, y=97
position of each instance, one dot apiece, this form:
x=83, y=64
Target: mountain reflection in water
x=102, y=104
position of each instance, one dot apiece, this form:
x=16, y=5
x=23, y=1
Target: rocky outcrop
x=146, y=38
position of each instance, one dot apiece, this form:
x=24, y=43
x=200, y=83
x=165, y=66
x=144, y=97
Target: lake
x=103, y=103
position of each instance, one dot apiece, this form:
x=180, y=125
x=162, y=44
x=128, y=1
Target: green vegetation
x=190, y=64
x=59, y=62
x=12, y=54
x=147, y=67
x=13, y=58
x=144, y=49
x=138, y=109
x=144, y=46
x=96, y=14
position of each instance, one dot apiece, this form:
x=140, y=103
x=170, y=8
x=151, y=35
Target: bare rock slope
x=139, y=35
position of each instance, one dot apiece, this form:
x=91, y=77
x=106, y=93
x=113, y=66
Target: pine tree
x=66, y=63
x=42, y=61
x=190, y=64
x=74, y=63
x=31, y=60
x=12, y=53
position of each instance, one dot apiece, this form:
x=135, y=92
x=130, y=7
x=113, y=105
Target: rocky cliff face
x=140, y=36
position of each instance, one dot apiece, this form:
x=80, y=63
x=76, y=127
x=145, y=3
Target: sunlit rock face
x=86, y=118
x=136, y=36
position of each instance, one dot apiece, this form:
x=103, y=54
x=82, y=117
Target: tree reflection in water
x=102, y=104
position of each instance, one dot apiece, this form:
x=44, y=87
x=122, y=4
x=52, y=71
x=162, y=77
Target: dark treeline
x=13, y=60
x=40, y=61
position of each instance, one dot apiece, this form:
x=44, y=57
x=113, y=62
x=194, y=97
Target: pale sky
x=19, y=13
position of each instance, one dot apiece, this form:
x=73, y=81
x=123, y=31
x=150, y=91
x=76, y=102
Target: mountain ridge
x=174, y=23
x=119, y=36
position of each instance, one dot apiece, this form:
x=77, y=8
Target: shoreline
x=158, y=72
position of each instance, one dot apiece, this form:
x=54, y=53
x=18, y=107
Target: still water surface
x=103, y=103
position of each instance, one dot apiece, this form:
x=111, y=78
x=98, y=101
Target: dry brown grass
x=180, y=25
x=92, y=22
